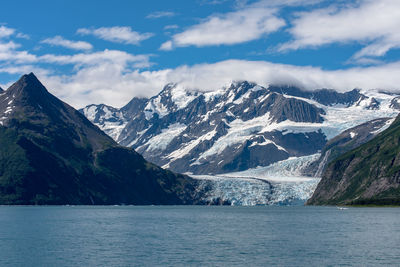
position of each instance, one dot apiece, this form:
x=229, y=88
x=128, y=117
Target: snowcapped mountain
x=239, y=127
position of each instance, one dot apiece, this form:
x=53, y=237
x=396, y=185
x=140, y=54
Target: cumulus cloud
x=373, y=23
x=167, y=46
x=160, y=14
x=117, y=34
x=6, y=32
x=60, y=41
x=228, y=29
x=9, y=53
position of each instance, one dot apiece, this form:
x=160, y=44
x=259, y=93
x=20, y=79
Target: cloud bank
x=111, y=84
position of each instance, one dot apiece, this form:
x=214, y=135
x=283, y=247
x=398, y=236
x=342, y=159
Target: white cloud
x=6, y=32
x=167, y=46
x=116, y=57
x=171, y=27
x=23, y=36
x=231, y=28
x=116, y=34
x=247, y=23
x=6, y=47
x=8, y=53
x=373, y=23
x=213, y=76
x=212, y=2
x=161, y=14
x=60, y=41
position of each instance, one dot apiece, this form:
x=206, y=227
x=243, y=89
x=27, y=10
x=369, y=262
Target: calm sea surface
x=199, y=236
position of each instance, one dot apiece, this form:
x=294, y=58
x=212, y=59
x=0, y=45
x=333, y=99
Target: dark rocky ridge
x=51, y=154
x=134, y=107
x=326, y=97
x=395, y=103
x=368, y=174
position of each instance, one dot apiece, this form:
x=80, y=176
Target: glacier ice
x=281, y=183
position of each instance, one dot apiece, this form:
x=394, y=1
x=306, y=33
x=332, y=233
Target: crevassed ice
x=278, y=184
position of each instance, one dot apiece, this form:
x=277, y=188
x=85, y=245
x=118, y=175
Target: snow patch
x=185, y=149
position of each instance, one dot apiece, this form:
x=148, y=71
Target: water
x=199, y=236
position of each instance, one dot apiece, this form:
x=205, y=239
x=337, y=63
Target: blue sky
x=109, y=51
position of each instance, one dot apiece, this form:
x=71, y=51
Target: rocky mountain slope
x=348, y=140
x=238, y=127
x=368, y=174
x=51, y=154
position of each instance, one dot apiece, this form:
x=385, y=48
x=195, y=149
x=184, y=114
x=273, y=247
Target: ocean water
x=199, y=236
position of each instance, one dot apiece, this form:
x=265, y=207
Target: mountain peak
x=27, y=84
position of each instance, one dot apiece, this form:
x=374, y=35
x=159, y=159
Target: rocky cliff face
x=368, y=174
x=51, y=154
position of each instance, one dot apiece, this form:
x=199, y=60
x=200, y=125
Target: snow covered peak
x=172, y=98
x=109, y=119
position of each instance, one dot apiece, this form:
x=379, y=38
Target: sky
x=107, y=52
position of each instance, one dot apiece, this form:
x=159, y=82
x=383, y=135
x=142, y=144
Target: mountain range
x=238, y=127
x=51, y=154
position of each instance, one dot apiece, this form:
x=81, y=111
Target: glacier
x=281, y=183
